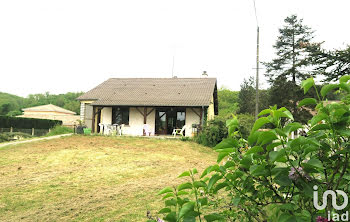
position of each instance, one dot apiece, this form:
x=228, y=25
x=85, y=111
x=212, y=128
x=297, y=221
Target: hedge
x=27, y=123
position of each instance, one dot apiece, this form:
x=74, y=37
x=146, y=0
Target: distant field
x=92, y=178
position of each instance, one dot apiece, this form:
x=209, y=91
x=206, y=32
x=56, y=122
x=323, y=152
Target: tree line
x=12, y=105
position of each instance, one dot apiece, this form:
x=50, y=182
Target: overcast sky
x=73, y=45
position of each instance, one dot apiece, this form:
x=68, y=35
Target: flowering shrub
x=272, y=179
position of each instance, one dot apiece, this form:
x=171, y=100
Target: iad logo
x=335, y=216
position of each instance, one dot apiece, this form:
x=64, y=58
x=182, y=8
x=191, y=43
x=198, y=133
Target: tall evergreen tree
x=292, y=56
x=332, y=64
x=289, y=68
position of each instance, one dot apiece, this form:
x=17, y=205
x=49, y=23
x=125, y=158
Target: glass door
x=161, y=122
x=168, y=119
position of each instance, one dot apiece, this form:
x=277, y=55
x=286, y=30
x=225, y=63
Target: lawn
x=92, y=178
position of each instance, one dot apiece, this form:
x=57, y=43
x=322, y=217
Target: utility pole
x=257, y=76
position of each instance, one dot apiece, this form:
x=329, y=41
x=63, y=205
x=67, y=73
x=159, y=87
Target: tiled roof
x=153, y=92
x=48, y=108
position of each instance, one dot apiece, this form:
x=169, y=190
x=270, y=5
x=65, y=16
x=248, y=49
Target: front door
x=168, y=119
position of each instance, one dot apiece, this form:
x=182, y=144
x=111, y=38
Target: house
x=51, y=111
x=163, y=104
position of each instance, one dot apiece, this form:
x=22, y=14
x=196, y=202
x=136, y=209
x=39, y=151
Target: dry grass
x=92, y=178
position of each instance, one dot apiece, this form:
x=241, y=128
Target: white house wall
x=191, y=118
x=106, y=115
x=135, y=127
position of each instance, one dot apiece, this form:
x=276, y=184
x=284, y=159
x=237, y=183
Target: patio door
x=161, y=122
x=168, y=119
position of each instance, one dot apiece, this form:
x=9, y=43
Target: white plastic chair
x=101, y=125
x=179, y=131
x=120, y=129
x=147, y=130
x=108, y=129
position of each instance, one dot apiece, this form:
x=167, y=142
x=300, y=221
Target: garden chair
x=108, y=129
x=179, y=131
x=146, y=129
x=101, y=125
x=120, y=129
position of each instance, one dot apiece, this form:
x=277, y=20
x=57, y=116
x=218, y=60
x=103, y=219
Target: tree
x=292, y=56
x=5, y=108
x=332, y=64
x=246, y=97
x=284, y=93
x=291, y=65
x=228, y=102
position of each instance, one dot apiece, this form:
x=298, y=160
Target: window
x=180, y=119
x=120, y=115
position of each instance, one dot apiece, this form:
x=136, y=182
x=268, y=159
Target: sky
x=73, y=45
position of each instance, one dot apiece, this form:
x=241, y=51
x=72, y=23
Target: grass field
x=92, y=178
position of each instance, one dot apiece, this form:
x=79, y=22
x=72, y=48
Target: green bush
x=27, y=123
x=246, y=122
x=185, y=138
x=5, y=137
x=213, y=133
x=270, y=176
x=58, y=130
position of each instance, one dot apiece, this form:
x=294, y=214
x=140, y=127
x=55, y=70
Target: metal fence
x=33, y=132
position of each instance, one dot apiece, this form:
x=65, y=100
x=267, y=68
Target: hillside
x=9, y=102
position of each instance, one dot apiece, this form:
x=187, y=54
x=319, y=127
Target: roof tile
x=153, y=92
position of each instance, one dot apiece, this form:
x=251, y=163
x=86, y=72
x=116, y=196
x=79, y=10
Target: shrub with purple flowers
x=273, y=179
x=294, y=175
x=322, y=219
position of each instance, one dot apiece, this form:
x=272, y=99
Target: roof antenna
x=172, y=70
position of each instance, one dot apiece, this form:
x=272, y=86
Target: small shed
x=50, y=111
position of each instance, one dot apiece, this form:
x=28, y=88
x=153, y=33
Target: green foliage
x=14, y=113
x=246, y=122
x=27, y=123
x=12, y=105
x=289, y=68
x=270, y=176
x=10, y=102
x=212, y=133
x=228, y=102
x=57, y=130
x=5, y=137
x=332, y=64
x=284, y=93
x=66, y=101
x=292, y=56
x=247, y=97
